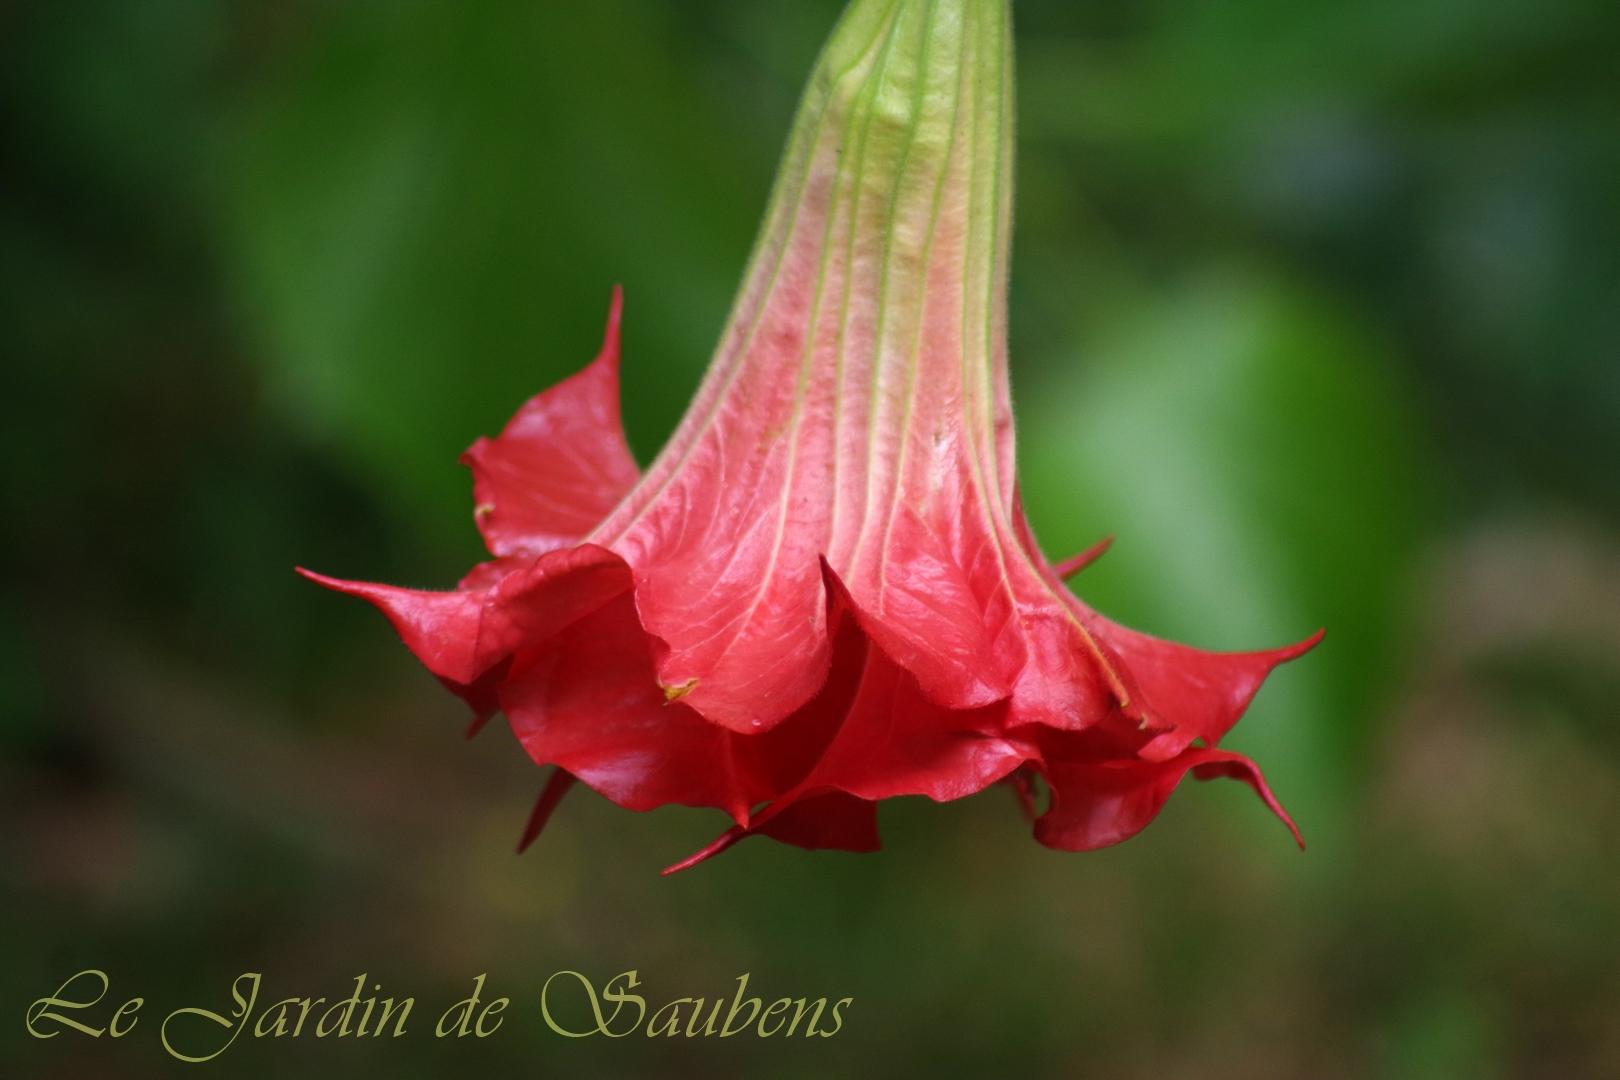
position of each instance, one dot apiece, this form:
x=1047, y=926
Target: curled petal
x=1200, y=694
x=938, y=616
x=896, y=742
x=1095, y=804
x=561, y=463
x=441, y=629
x=741, y=625
x=589, y=702
x=891, y=740
x=467, y=636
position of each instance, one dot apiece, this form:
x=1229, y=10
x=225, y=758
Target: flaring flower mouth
x=823, y=593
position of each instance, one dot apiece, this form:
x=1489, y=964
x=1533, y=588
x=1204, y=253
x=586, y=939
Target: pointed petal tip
x=1300, y=648
x=560, y=463
x=837, y=592
x=374, y=592
x=1275, y=805
x=610, y=333
x=1076, y=563
x=338, y=585
x=1299, y=838
x=707, y=851
x=557, y=785
x=1282, y=815
x=1243, y=768
x=474, y=454
x=1023, y=790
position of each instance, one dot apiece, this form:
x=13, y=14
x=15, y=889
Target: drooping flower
x=823, y=592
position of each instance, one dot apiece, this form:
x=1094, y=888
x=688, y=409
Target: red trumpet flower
x=823, y=592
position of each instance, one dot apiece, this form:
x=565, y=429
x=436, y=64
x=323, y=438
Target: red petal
x=707, y=851
x=557, y=785
x=976, y=622
x=561, y=463
x=1095, y=805
x=741, y=621
x=829, y=821
x=1202, y=694
x=589, y=703
x=441, y=628
x=725, y=529
x=466, y=637
x=896, y=742
x=938, y=613
x=832, y=820
x=891, y=740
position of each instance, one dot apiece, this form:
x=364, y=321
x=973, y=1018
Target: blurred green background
x=1316, y=307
